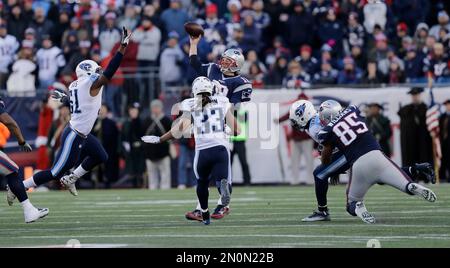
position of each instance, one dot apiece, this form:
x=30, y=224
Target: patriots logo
x=300, y=110
x=85, y=66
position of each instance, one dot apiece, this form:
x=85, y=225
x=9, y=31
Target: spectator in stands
x=174, y=18
x=75, y=28
x=171, y=59
x=148, y=37
x=82, y=53
x=8, y=47
x=251, y=39
x=327, y=75
x=130, y=18
x=105, y=129
x=444, y=38
x=256, y=75
x=131, y=134
x=326, y=55
x=380, y=126
x=385, y=64
x=215, y=28
x=50, y=60
x=437, y=64
x=234, y=9
x=331, y=31
x=277, y=73
x=395, y=74
x=198, y=9
x=157, y=155
x=151, y=12
x=252, y=58
x=41, y=24
x=110, y=35
x=444, y=126
x=401, y=33
x=354, y=33
x=414, y=136
x=299, y=27
x=427, y=50
x=62, y=25
x=262, y=19
x=413, y=66
x=356, y=52
x=402, y=49
x=350, y=74
x=372, y=75
x=443, y=22
x=296, y=77
x=420, y=35
x=277, y=50
x=375, y=13
x=94, y=25
x=22, y=80
x=307, y=61
x=17, y=22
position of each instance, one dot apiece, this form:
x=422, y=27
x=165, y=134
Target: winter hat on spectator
x=27, y=44
x=349, y=60
x=110, y=16
x=174, y=35
x=211, y=9
x=306, y=48
x=380, y=37
x=411, y=48
x=402, y=27
x=237, y=3
x=75, y=19
x=326, y=47
x=443, y=13
x=422, y=26
x=30, y=31
x=85, y=44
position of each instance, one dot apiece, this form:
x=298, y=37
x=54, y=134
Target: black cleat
x=206, y=219
x=318, y=216
x=426, y=171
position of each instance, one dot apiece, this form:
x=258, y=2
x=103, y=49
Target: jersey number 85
x=348, y=129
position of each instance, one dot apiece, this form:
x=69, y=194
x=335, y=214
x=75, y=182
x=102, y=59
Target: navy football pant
x=210, y=163
x=10, y=170
x=69, y=153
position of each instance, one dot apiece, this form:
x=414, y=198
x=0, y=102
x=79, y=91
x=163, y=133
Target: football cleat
x=10, y=196
x=35, y=214
x=195, y=215
x=426, y=170
x=318, y=216
x=68, y=181
x=206, y=219
x=422, y=191
x=220, y=212
x=362, y=212
x=225, y=194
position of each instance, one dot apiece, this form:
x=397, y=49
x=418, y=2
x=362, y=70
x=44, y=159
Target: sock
x=203, y=193
x=204, y=210
x=79, y=171
x=16, y=186
x=198, y=206
x=321, y=188
x=323, y=208
x=26, y=204
x=29, y=183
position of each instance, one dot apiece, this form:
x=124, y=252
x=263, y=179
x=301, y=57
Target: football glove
x=151, y=139
x=25, y=147
x=59, y=95
x=125, y=37
x=334, y=180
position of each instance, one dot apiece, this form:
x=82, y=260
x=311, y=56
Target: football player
x=368, y=165
x=208, y=115
x=227, y=82
x=304, y=117
x=85, y=101
x=10, y=170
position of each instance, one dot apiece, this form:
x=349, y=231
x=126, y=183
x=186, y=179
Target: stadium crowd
x=286, y=43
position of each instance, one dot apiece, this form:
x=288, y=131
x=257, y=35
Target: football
x=193, y=29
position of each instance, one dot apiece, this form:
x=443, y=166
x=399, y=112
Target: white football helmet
x=87, y=67
x=232, y=61
x=202, y=84
x=301, y=112
x=328, y=110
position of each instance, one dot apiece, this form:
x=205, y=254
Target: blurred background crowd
x=287, y=44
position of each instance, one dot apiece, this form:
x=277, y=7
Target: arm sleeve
x=201, y=69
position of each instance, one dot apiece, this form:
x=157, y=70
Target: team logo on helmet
x=86, y=67
x=300, y=110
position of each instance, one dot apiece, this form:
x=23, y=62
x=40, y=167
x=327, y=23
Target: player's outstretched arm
x=113, y=65
x=193, y=44
x=12, y=125
x=232, y=123
x=175, y=132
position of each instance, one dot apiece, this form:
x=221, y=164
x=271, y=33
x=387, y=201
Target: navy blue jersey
x=237, y=88
x=349, y=132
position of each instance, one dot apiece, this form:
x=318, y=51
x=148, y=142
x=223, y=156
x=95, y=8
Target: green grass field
x=260, y=217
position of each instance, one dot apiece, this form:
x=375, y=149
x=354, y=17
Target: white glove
x=151, y=139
